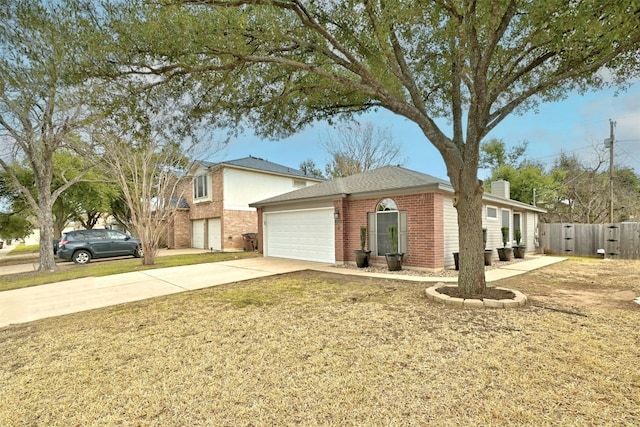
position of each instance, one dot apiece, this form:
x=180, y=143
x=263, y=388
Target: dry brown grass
x=322, y=349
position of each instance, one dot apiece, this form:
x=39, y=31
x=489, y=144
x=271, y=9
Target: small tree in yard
x=147, y=151
x=147, y=166
x=149, y=186
x=283, y=64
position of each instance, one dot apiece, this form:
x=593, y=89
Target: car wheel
x=139, y=253
x=81, y=257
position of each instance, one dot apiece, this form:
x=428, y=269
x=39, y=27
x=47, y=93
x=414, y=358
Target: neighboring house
x=214, y=213
x=322, y=222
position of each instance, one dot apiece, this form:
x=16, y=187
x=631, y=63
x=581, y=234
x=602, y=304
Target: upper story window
x=200, y=187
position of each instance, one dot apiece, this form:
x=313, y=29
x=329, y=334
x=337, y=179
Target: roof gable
x=386, y=178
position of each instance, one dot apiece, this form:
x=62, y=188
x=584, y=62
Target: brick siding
x=236, y=223
x=425, y=223
x=179, y=230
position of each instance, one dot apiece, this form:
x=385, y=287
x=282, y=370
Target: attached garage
x=206, y=234
x=197, y=233
x=307, y=235
x=214, y=234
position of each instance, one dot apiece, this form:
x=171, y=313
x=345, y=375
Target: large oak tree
x=42, y=104
x=287, y=63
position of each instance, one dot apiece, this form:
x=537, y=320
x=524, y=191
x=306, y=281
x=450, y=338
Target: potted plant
x=488, y=253
x=504, y=253
x=394, y=258
x=518, y=250
x=362, y=255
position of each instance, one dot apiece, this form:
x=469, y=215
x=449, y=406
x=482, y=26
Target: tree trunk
x=468, y=204
x=47, y=259
x=149, y=257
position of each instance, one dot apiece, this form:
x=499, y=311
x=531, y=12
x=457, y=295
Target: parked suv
x=83, y=245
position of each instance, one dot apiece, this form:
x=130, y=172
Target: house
x=214, y=213
x=322, y=222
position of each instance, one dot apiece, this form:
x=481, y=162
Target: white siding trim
x=450, y=225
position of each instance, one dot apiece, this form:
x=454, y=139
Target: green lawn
x=321, y=349
x=68, y=270
x=21, y=249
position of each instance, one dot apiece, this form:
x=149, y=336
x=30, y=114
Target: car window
x=80, y=235
x=96, y=235
x=116, y=235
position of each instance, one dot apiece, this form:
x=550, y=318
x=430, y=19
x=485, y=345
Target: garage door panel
x=305, y=235
x=197, y=233
x=214, y=234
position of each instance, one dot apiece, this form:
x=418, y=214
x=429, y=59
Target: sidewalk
x=6, y=249
x=55, y=299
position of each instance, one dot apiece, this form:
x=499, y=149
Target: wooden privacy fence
x=611, y=240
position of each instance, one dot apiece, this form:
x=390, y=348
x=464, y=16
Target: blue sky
x=577, y=125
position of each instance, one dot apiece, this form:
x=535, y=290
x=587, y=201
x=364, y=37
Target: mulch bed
x=445, y=272
x=489, y=293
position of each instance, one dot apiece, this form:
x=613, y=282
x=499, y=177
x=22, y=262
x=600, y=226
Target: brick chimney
x=501, y=188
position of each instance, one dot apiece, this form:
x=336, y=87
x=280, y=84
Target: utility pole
x=610, y=141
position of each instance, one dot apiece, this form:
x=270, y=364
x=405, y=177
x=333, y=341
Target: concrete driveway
x=71, y=296
x=55, y=299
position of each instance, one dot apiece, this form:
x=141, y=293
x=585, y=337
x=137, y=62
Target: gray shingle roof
x=179, y=202
x=256, y=163
x=386, y=178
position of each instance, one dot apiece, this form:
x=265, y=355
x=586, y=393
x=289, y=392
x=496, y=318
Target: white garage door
x=197, y=233
x=306, y=235
x=215, y=237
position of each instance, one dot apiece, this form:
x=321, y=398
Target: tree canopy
x=529, y=180
x=42, y=102
x=572, y=189
x=279, y=65
x=356, y=147
x=582, y=192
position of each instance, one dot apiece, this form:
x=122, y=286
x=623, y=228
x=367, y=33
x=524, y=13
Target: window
x=492, y=212
x=116, y=235
x=386, y=215
x=516, y=222
x=299, y=184
x=385, y=219
x=200, y=187
x=506, y=216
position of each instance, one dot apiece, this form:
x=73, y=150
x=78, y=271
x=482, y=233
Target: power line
x=561, y=152
x=628, y=155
